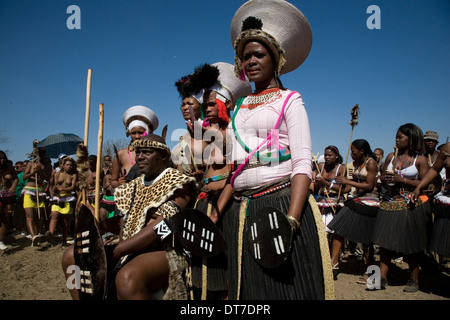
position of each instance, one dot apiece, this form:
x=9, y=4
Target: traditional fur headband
x=146, y=143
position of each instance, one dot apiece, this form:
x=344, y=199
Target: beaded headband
x=333, y=148
x=145, y=143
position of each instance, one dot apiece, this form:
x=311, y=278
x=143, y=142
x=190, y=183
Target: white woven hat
x=140, y=116
x=228, y=85
x=280, y=20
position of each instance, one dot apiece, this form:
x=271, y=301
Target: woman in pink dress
x=272, y=163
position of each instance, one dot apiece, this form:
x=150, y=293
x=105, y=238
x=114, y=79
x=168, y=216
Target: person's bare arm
x=117, y=178
x=434, y=170
x=299, y=193
x=224, y=198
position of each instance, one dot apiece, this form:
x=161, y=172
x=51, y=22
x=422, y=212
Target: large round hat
x=140, y=116
x=228, y=85
x=279, y=25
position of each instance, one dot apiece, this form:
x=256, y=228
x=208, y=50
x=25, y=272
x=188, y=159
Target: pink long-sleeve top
x=253, y=126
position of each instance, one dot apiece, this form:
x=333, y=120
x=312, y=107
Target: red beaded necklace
x=268, y=95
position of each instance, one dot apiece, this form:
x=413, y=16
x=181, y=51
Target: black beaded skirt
x=402, y=227
x=356, y=220
x=440, y=235
x=299, y=277
x=216, y=274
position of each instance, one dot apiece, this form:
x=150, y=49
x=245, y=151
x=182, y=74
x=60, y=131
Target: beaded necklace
x=403, y=166
x=266, y=96
x=327, y=175
x=330, y=172
x=402, y=192
x=358, y=171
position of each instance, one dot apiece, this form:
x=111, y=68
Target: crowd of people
x=39, y=200
x=245, y=162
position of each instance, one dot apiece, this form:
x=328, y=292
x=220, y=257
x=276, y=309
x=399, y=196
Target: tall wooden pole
x=353, y=122
x=86, y=121
x=98, y=169
x=88, y=107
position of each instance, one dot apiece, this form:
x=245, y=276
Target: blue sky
x=137, y=50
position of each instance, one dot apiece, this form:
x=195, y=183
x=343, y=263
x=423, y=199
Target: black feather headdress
x=203, y=77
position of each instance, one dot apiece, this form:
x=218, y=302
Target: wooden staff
x=318, y=172
x=86, y=120
x=395, y=159
x=88, y=107
x=98, y=169
x=192, y=147
x=354, y=121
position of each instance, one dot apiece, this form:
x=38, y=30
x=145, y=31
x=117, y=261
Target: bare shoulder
x=372, y=165
x=122, y=151
x=421, y=160
x=447, y=164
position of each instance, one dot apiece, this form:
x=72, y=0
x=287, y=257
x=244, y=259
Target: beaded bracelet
x=295, y=224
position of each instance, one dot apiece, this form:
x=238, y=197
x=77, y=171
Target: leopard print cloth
x=134, y=199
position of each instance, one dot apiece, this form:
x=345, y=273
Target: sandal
x=363, y=279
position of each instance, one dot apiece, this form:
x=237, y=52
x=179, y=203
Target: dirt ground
x=35, y=273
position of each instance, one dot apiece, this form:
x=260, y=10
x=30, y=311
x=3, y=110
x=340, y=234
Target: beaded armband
x=216, y=178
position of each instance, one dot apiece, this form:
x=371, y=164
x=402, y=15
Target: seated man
x=159, y=193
